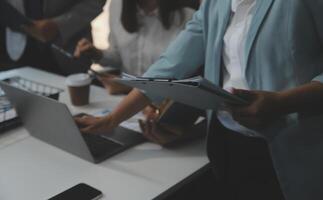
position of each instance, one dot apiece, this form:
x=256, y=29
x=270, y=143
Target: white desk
x=33, y=170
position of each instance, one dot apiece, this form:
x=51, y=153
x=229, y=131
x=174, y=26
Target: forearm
x=129, y=106
x=304, y=99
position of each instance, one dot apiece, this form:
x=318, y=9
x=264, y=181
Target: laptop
x=51, y=121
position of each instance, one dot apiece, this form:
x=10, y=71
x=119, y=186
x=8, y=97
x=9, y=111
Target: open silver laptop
x=52, y=122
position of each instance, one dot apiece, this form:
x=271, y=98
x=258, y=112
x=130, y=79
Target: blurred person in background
x=140, y=31
x=3, y=52
x=63, y=22
x=4, y=58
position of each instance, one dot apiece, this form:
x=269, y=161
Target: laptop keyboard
x=99, y=146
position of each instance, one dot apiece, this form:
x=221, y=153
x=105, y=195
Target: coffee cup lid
x=78, y=80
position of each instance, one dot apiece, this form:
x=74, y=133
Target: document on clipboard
x=197, y=91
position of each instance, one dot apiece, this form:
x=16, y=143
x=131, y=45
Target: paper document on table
x=102, y=113
x=131, y=124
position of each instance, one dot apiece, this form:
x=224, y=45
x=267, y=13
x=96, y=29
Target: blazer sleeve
x=316, y=8
x=185, y=54
x=78, y=17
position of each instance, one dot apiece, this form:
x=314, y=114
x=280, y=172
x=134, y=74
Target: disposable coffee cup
x=79, y=88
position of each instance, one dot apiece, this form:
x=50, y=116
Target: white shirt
x=233, y=55
x=135, y=52
x=16, y=42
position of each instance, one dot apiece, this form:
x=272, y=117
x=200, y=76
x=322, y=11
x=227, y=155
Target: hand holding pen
x=86, y=48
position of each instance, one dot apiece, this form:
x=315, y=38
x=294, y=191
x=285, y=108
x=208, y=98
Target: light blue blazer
x=283, y=50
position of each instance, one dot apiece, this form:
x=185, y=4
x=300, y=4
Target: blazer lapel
x=224, y=16
x=261, y=10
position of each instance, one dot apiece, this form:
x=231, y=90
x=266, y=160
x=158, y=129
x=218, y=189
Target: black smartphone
x=81, y=191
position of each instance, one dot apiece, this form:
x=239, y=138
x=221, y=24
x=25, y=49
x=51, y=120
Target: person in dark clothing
x=60, y=22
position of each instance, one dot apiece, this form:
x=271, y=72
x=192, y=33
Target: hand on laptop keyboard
x=95, y=125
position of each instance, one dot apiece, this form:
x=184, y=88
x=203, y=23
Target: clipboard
x=197, y=92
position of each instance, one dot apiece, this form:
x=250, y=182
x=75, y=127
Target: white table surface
x=33, y=170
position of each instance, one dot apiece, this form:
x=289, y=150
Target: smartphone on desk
x=81, y=191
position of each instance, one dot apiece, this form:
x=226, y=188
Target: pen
x=62, y=51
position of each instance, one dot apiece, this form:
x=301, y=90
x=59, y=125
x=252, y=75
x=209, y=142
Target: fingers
x=245, y=94
x=146, y=131
x=158, y=135
x=151, y=113
x=249, y=96
x=83, y=41
x=106, y=78
x=249, y=110
x=88, y=124
x=80, y=50
x=155, y=133
x=95, y=127
x=106, y=82
x=82, y=46
x=80, y=121
x=77, y=52
x=90, y=130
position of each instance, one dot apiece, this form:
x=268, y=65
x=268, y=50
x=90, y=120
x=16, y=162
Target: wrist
x=112, y=119
x=286, y=103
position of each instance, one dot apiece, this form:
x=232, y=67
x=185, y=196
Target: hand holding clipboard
x=197, y=91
